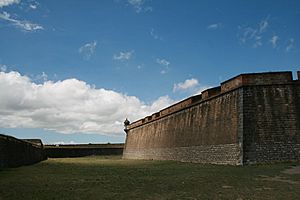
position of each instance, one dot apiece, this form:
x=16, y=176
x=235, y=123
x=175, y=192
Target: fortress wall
x=167, y=111
x=267, y=78
x=79, y=150
x=15, y=152
x=206, y=132
x=211, y=92
x=250, y=118
x=271, y=123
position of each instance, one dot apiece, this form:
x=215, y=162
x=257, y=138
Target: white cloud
x=164, y=71
x=190, y=85
x=139, y=6
x=3, y=68
x=88, y=49
x=263, y=25
x=8, y=2
x=68, y=106
x=254, y=35
x=214, y=26
x=123, y=55
x=163, y=62
x=61, y=142
x=33, y=6
x=257, y=41
x=274, y=41
x=155, y=35
x=290, y=45
x=23, y=25
x=43, y=77
x=187, y=84
x=200, y=89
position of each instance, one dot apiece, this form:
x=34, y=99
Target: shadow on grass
x=113, y=178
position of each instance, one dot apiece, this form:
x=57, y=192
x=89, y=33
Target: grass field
x=113, y=178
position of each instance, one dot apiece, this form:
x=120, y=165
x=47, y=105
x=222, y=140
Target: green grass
x=113, y=178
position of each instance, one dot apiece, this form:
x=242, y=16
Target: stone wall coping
x=8, y=137
x=253, y=74
x=198, y=99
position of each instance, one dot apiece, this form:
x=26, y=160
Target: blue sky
x=72, y=71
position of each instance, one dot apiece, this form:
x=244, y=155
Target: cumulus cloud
x=88, y=49
x=192, y=85
x=139, y=6
x=21, y=24
x=187, y=84
x=68, y=106
x=42, y=77
x=3, y=68
x=8, y=2
x=214, y=26
x=123, y=55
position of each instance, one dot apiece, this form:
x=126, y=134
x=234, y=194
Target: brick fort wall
x=80, y=150
x=250, y=118
x=206, y=132
x=15, y=152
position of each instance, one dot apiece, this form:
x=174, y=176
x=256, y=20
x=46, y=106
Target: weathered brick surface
x=211, y=92
x=256, y=79
x=271, y=123
x=254, y=119
x=167, y=111
x=216, y=154
x=15, y=152
x=212, y=123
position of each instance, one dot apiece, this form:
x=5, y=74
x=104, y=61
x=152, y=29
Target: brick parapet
x=211, y=92
x=268, y=78
x=247, y=79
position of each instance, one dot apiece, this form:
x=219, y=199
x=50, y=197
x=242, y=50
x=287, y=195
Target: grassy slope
x=113, y=178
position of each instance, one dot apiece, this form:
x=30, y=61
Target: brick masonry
x=216, y=154
x=206, y=132
x=271, y=123
x=15, y=152
x=79, y=150
x=251, y=118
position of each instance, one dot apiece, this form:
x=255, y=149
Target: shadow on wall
x=15, y=152
x=80, y=150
